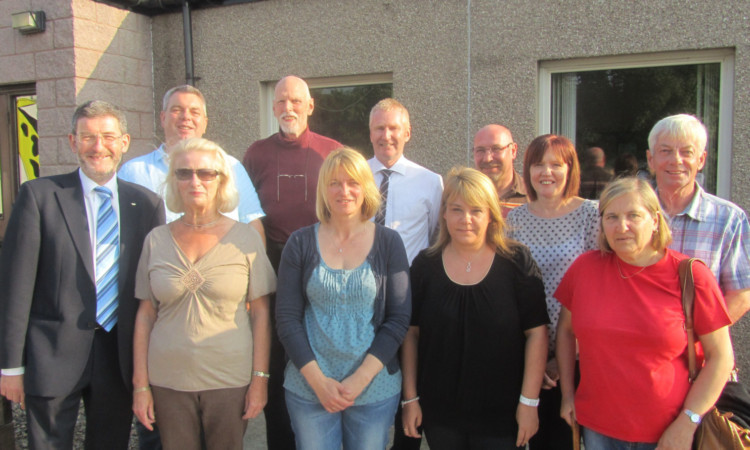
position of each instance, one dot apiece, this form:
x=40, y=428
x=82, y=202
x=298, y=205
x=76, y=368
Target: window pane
x=343, y=113
x=615, y=109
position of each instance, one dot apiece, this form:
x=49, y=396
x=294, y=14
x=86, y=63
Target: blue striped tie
x=107, y=260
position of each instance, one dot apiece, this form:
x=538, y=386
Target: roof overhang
x=157, y=7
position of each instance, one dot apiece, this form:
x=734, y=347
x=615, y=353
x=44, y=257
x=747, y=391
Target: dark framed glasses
x=203, y=174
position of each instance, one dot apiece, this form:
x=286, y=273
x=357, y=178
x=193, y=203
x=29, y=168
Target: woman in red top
x=623, y=305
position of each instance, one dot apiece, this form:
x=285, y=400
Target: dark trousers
x=279, y=433
x=106, y=399
x=400, y=440
x=554, y=432
x=147, y=439
x=443, y=438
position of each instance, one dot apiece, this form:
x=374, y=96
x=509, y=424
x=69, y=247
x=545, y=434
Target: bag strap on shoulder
x=687, y=287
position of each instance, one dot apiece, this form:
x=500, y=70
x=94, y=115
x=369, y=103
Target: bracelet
x=411, y=400
x=258, y=373
x=533, y=402
x=141, y=389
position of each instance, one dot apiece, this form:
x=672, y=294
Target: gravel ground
x=255, y=437
x=19, y=423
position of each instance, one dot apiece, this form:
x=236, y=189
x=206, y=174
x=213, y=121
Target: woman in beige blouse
x=202, y=332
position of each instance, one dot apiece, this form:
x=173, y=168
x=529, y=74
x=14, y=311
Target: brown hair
x=565, y=150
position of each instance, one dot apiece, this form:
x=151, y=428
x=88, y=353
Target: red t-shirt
x=632, y=341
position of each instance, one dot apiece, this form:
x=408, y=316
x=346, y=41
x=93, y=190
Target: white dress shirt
x=413, y=204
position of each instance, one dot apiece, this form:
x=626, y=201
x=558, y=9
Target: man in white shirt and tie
x=411, y=197
x=411, y=203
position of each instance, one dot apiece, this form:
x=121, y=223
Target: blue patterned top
x=338, y=322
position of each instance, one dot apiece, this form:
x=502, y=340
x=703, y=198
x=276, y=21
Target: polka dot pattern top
x=555, y=243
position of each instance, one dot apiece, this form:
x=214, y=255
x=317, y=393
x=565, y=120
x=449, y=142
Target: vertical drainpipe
x=187, y=30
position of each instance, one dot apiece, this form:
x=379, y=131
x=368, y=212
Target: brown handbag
x=716, y=430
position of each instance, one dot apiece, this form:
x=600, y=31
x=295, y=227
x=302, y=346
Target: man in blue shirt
x=183, y=116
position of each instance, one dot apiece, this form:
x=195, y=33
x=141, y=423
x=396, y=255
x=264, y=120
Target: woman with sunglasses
x=202, y=332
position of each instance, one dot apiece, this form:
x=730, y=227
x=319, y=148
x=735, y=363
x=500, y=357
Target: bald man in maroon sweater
x=284, y=169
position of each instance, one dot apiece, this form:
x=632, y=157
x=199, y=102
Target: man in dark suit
x=67, y=271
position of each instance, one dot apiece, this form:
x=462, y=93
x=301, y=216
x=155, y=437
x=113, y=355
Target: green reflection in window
x=343, y=113
x=615, y=109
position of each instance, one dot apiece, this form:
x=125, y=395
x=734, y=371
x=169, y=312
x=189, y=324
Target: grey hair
x=99, y=108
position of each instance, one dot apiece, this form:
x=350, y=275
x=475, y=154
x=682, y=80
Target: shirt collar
x=697, y=209
x=518, y=189
x=399, y=167
x=88, y=184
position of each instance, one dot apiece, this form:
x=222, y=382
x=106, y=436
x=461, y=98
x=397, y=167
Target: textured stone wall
x=88, y=51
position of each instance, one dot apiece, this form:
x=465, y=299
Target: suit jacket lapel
x=73, y=208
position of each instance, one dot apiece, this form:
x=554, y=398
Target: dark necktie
x=107, y=260
x=380, y=216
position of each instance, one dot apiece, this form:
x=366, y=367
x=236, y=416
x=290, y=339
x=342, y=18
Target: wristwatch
x=694, y=417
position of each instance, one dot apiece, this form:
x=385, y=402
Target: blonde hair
x=476, y=189
x=391, y=104
x=355, y=166
x=662, y=236
x=227, y=196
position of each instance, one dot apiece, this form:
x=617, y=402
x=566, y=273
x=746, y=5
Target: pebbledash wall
x=456, y=65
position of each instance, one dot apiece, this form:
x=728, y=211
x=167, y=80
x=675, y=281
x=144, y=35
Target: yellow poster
x=28, y=138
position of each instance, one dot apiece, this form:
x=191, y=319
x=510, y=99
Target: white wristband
x=533, y=402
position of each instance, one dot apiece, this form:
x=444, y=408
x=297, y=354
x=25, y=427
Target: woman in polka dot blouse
x=557, y=225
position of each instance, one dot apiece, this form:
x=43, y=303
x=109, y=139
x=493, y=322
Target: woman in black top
x=474, y=357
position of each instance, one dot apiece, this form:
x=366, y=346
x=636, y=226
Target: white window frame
x=725, y=57
x=268, y=123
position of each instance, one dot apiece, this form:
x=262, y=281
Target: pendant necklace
x=468, y=263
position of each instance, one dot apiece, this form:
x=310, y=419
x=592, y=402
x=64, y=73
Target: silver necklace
x=199, y=225
x=468, y=263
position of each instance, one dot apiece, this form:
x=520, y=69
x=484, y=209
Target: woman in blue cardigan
x=343, y=309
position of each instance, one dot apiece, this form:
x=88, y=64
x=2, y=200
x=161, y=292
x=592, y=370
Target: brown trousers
x=181, y=416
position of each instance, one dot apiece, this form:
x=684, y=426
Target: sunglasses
x=203, y=174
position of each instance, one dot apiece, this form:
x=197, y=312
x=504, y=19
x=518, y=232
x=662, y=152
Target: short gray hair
x=188, y=89
x=681, y=126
